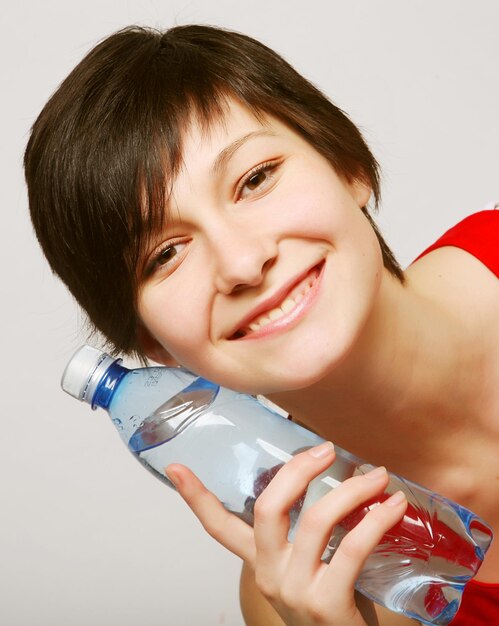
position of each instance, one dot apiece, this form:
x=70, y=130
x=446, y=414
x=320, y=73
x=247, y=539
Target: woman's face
x=267, y=269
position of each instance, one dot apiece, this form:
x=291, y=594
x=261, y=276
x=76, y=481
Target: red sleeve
x=478, y=234
x=479, y=606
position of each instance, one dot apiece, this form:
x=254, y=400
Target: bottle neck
x=108, y=384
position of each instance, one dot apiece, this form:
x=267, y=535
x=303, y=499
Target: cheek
x=176, y=317
x=363, y=254
x=300, y=212
x=315, y=202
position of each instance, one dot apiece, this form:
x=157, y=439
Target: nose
x=242, y=257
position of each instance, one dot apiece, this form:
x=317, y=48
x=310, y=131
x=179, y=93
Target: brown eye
x=167, y=260
x=256, y=180
x=167, y=255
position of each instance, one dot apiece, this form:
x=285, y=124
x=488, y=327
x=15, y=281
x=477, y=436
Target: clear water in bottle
x=236, y=445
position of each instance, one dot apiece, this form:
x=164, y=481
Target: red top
x=478, y=234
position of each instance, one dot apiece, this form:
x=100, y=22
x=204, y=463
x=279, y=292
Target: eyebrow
x=227, y=153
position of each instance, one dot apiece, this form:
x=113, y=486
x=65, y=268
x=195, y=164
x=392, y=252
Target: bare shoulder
x=257, y=611
x=455, y=272
x=461, y=285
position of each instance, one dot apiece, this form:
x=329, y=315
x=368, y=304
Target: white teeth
x=261, y=321
x=288, y=305
x=275, y=314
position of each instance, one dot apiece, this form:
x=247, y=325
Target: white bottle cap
x=86, y=365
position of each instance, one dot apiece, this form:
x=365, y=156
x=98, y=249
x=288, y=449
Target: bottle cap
x=86, y=366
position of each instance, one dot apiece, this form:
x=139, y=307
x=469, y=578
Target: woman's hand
x=304, y=590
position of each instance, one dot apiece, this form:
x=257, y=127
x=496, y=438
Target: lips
x=277, y=309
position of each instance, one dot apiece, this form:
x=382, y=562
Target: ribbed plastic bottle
x=235, y=445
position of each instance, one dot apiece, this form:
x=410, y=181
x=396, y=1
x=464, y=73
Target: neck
x=411, y=377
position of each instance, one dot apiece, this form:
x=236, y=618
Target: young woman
x=207, y=206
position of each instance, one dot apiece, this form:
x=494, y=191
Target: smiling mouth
x=287, y=308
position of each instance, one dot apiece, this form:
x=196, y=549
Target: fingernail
x=174, y=478
x=323, y=450
x=376, y=473
x=397, y=498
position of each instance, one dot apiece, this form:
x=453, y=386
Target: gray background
x=86, y=536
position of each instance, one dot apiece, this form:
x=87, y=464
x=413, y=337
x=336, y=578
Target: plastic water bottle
x=235, y=445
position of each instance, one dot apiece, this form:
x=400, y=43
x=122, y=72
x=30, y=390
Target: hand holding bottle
x=303, y=589
x=304, y=508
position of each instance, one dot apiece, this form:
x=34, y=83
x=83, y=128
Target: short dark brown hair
x=108, y=144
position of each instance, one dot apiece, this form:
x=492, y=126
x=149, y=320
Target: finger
x=360, y=542
x=318, y=521
x=225, y=527
x=272, y=507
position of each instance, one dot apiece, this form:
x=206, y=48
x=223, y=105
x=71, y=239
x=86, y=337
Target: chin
x=304, y=369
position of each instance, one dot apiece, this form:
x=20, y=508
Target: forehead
x=234, y=121
x=213, y=143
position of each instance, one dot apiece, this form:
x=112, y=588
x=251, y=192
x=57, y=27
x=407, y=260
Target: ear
x=361, y=192
x=153, y=349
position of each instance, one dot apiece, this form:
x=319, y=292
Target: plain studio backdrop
x=87, y=537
